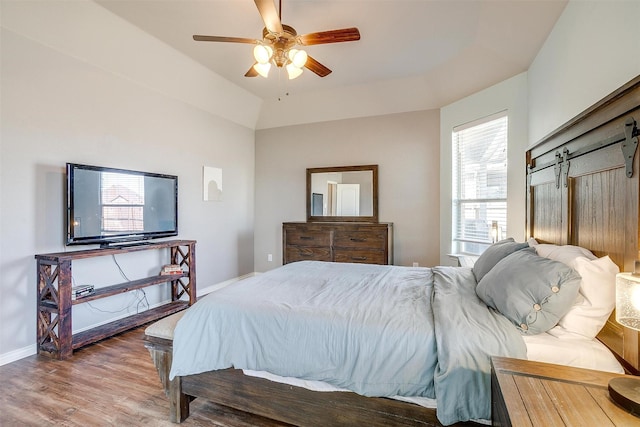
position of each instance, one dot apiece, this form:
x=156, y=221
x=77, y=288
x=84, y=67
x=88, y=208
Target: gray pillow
x=531, y=291
x=493, y=254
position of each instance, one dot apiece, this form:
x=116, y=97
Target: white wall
x=102, y=103
x=405, y=146
x=510, y=95
x=593, y=49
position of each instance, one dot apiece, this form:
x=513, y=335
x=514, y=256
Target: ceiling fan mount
x=281, y=44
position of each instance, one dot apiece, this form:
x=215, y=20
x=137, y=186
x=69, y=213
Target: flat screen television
x=107, y=205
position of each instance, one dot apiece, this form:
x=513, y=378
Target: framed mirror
x=342, y=193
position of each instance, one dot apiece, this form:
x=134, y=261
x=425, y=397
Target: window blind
x=479, y=176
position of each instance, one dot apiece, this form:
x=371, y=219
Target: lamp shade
x=298, y=57
x=628, y=300
x=262, y=69
x=494, y=231
x=293, y=71
x=625, y=391
x=262, y=53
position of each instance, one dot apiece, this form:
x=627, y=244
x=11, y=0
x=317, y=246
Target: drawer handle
x=306, y=238
x=359, y=258
x=358, y=239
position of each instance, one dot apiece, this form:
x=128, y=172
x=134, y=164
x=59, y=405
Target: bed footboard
x=280, y=402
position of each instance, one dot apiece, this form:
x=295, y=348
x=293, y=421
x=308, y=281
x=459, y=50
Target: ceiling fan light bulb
x=299, y=58
x=293, y=71
x=262, y=53
x=262, y=69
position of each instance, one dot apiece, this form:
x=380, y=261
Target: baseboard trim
x=30, y=350
x=217, y=286
x=18, y=354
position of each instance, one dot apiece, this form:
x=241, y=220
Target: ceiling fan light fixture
x=278, y=41
x=262, y=69
x=293, y=71
x=298, y=57
x=262, y=53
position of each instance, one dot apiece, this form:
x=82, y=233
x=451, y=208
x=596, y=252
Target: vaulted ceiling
x=444, y=49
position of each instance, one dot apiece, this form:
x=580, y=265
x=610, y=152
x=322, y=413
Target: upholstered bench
x=164, y=327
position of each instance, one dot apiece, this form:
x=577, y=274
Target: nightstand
x=525, y=393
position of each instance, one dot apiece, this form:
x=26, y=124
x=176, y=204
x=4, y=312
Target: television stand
x=54, y=329
x=116, y=245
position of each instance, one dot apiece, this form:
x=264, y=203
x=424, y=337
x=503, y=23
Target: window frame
x=471, y=234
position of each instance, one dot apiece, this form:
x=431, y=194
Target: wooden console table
x=54, y=323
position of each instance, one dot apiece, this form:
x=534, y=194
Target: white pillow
x=596, y=298
x=565, y=253
x=564, y=348
x=598, y=291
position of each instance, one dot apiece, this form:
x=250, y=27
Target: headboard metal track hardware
x=630, y=145
x=557, y=168
x=565, y=165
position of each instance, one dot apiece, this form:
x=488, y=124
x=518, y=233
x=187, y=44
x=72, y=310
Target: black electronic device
x=108, y=205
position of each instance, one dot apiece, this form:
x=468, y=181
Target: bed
x=575, y=175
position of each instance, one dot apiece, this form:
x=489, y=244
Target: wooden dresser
x=525, y=393
x=369, y=243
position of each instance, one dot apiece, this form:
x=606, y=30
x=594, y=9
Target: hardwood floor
x=110, y=383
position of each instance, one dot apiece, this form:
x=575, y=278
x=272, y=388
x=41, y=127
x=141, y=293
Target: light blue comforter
x=467, y=333
x=375, y=330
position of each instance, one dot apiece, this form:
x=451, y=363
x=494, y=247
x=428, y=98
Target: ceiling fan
x=279, y=44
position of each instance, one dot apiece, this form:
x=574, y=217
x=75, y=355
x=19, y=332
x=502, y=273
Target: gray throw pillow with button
x=493, y=254
x=531, y=291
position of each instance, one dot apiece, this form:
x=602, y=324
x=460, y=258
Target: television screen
x=107, y=205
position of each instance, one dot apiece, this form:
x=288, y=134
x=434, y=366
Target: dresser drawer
x=307, y=253
x=370, y=243
x=360, y=239
x=308, y=238
x=363, y=256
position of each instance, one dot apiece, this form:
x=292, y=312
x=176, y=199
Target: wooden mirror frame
x=374, y=189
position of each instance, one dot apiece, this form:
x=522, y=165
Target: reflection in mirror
x=346, y=193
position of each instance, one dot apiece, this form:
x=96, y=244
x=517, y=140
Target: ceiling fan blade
x=252, y=71
x=224, y=39
x=270, y=16
x=316, y=67
x=332, y=36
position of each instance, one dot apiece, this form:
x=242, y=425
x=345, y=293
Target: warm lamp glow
x=494, y=231
x=264, y=56
x=625, y=391
x=635, y=298
x=628, y=300
x=262, y=53
x=293, y=71
x=298, y=57
x=262, y=69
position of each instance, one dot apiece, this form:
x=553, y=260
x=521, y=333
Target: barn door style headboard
x=583, y=189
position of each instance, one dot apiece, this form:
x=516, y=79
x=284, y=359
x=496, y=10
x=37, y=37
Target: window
x=122, y=203
x=479, y=184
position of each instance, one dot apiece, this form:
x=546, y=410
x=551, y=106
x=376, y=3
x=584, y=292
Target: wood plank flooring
x=110, y=383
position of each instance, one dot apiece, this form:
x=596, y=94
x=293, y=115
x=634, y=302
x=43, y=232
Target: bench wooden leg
x=162, y=356
x=178, y=401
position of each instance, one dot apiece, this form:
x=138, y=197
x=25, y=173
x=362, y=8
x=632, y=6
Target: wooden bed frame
x=582, y=190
